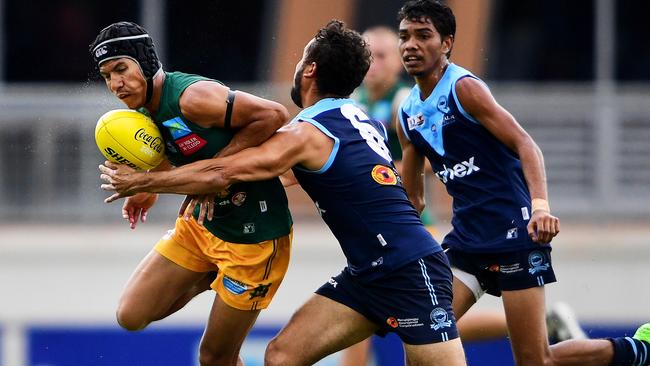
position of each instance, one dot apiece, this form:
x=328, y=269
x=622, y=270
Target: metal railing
x=48, y=157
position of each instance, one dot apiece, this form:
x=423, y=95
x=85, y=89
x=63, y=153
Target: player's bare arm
x=477, y=100
x=255, y=119
x=298, y=143
x=412, y=171
x=137, y=206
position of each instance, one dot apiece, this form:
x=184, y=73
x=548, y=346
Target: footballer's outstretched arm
x=297, y=143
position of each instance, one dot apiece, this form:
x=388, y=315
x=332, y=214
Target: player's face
x=124, y=79
x=386, y=64
x=296, y=89
x=421, y=46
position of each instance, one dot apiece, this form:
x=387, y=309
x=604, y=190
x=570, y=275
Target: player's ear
x=447, y=44
x=310, y=70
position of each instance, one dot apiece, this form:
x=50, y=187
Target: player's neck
x=428, y=82
x=154, y=104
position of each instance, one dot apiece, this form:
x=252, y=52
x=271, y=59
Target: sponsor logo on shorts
x=505, y=268
x=260, y=291
x=536, y=261
x=234, y=286
x=333, y=282
x=439, y=319
x=263, y=207
x=494, y=268
x=384, y=175
x=392, y=322
x=238, y=198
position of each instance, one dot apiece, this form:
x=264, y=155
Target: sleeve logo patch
x=384, y=175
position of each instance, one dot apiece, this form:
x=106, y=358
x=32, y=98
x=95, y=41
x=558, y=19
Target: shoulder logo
x=384, y=175
x=414, y=122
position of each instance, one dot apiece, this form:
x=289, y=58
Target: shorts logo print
x=440, y=319
x=260, y=291
x=536, y=262
x=234, y=286
x=392, y=322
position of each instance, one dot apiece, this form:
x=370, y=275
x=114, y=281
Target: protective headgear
x=127, y=39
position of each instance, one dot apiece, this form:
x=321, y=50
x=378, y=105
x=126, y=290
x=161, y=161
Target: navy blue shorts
x=413, y=301
x=506, y=271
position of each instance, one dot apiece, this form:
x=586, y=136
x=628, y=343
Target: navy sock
x=630, y=352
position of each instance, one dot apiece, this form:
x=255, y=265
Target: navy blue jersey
x=491, y=201
x=359, y=194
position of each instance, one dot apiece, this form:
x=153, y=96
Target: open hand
x=119, y=178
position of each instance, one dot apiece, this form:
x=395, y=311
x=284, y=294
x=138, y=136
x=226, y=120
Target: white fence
x=595, y=146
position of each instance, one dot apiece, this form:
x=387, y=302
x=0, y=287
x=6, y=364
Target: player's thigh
x=449, y=353
x=226, y=329
x=155, y=284
x=463, y=299
x=320, y=327
x=525, y=316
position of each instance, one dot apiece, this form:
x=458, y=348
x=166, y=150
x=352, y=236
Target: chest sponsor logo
x=190, y=144
x=459, y=170
x=536, y=261
x=384, y=175
x=414, y=122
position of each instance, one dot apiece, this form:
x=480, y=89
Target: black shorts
x=506, y=271
x=413, y=301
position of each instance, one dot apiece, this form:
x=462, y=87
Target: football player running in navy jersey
x=397, y=278
x=502, y=224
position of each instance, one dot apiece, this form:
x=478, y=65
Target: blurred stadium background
x=574, y=73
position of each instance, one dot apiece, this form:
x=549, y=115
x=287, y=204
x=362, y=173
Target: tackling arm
x=299, y=143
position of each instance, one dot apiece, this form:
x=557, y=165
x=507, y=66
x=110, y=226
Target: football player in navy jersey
x=397, y=278
x=502, y=224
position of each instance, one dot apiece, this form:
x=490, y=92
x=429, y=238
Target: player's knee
x=275, y=355
x=130, y=320
x=213, y=357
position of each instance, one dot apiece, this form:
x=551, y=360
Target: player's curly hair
x=440, y=14
x=342, y=58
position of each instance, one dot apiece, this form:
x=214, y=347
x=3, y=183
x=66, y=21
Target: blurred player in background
x=397, y=278
x=247, y=245
x=502, y=225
